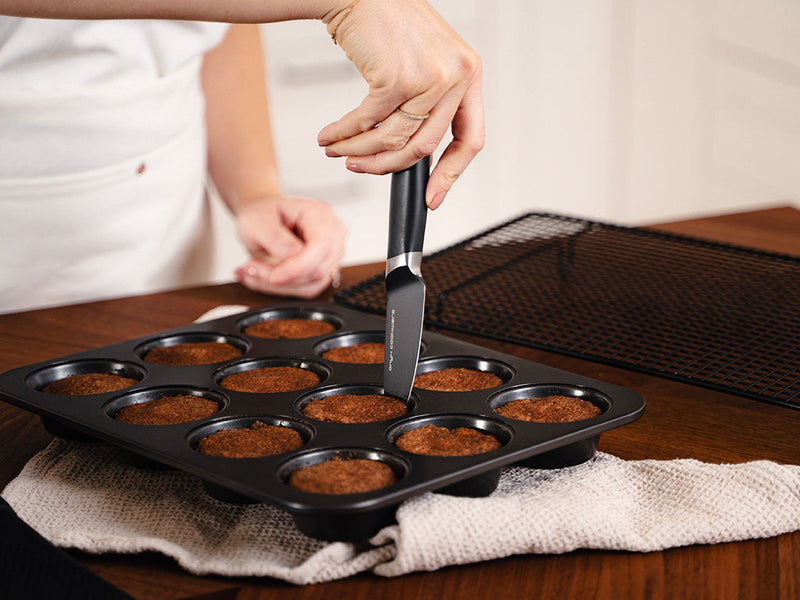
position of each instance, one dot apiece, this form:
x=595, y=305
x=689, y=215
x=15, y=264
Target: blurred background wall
x=625, y=111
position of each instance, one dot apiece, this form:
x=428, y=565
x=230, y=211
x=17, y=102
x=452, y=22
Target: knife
x=405, y=289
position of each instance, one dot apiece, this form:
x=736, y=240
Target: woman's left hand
x=296, y=245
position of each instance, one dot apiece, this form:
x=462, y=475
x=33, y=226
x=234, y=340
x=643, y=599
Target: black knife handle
x=407, y=208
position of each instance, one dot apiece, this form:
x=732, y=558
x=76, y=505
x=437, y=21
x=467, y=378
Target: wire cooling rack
x=705, y=313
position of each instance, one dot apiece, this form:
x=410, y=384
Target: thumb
x=265, y=235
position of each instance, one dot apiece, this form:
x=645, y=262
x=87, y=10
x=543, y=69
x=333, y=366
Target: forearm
x=241, y=11
x=241, y=157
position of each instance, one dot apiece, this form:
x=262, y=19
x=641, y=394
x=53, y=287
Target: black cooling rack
x=705, y=313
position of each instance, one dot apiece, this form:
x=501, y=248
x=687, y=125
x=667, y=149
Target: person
x=112, y=115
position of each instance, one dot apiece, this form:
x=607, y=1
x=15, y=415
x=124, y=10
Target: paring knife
x=405, y=289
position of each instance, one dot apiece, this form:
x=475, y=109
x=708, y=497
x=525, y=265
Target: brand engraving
x=391, y=340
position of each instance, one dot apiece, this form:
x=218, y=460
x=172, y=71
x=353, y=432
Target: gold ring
x=412, y=115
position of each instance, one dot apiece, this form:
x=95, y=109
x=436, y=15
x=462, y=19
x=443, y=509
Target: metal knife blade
x=405, y=288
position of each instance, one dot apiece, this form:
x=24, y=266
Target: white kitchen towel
x=87, y=496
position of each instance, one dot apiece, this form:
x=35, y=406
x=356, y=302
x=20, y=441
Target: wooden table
x=681, y=421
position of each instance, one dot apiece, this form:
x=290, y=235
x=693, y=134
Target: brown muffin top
x=457, y=379
x=192, y=353
x=268, y=380
x=343, y=476
x=549, y=409
x=289, y=328
x=168, y=410
x=259, y=439
x=431, y=440
x=85, y=384
x=365, y=354
x=355, y=408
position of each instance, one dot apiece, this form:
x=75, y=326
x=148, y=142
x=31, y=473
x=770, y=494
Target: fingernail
x=331, y=154
x=354, y=168
x=323, y=143
x=437, y=199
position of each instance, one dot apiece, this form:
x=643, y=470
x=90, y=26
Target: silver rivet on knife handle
x=412, y=260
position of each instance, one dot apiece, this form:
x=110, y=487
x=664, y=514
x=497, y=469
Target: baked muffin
x=431, y=440
x=354, y=408
x=167, y=410
x=343, y=476
x=192, y=353
x=269, y=380
x=257, y=440
x=549, y=409
x=457, y=379
x=368, y=353
x=280, y=329
x=85, y=384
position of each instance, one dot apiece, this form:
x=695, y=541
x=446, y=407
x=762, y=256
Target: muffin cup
x=347, y=526
x=322, y=371
x=237, y=342
x=42, y=377
x=479, y=485
x=428, y=365
x=294, y=312
x=355, y=389
x=569, y=454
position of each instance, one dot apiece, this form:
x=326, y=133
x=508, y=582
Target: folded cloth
x=87, y=496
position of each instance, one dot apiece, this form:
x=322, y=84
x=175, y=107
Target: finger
x=324, y=248
x=376, y=106
x=304, y=289
x=423, y=143
x=468, y=139
x=268, y=235
x=392, y=134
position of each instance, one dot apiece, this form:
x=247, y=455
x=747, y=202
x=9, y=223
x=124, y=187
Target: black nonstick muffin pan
x=326, y=516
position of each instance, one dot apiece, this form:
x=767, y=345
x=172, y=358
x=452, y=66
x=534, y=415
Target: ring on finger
x=336, y=279
x=412, y=115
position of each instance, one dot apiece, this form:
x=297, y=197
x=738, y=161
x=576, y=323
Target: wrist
x=240, y=198
x=336, y=12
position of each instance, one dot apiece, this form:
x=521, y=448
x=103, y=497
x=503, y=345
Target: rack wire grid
x=706, y=313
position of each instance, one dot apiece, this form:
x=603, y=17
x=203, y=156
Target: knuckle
x=470, y=64
x=426, y=148
x=364, y=123
x=395, y=141
x=477, y=143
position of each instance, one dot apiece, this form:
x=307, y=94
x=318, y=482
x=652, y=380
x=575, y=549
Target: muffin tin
x=332, y=517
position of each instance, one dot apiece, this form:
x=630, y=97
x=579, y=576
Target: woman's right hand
x=412, y=60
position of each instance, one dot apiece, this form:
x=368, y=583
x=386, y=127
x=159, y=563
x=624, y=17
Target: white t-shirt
x=102, y=158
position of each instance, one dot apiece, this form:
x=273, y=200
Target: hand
x=296, y=245
x=413, y=60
